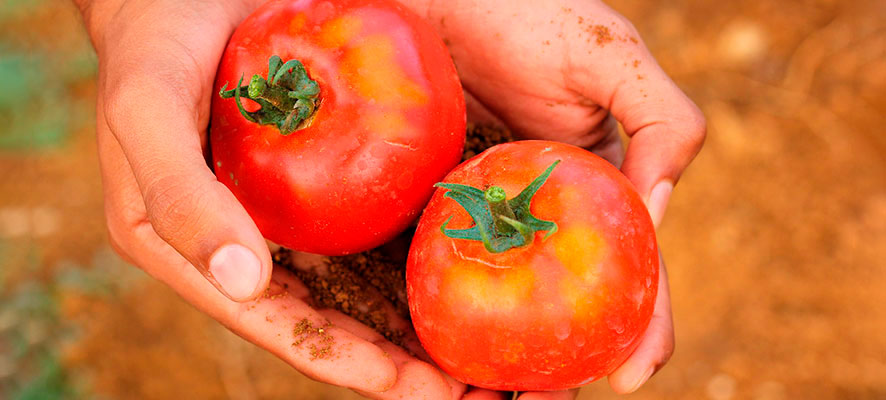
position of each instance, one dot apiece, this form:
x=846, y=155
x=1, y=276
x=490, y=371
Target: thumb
x=666, y=128
x=185, y=204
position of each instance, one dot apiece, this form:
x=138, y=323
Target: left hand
x=568, y=70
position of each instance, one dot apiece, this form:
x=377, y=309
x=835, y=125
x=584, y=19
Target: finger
x=124, y=207
x=486, y=394
x=610, y=146
x=559, y=395
x=410, y=364
x=285, y=325
x=185, y=204
x=270, y=322
x=362, y=296
x=366, y=304
x=655, y=348
x=415, y=378
x=666, y=128
x=478, y=113
x=414, y=370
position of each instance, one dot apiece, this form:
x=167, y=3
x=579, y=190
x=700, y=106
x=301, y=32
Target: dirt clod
x=358, y=284
x=339, y=285
x=602, y=32
x=305, y=330
x=482, y=137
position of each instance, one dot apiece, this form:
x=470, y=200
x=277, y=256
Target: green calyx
x=288, y=97
x=499, y=223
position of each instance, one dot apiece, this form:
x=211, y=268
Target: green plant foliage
x=32, y=110
x=37, y=108
x=50, y=383
x=15, y=8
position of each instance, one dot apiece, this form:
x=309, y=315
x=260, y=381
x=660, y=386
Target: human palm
x=547, y=77
x=567, y=71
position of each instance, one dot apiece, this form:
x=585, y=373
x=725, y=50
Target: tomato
x=338, y=151
x=555, y=304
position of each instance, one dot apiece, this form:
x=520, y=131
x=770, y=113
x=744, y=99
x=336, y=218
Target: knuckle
x=624, y=26
x=694, y=127
x=122, y=98
x=667, y=351
x=699, y=128
x=132, y=81
x=120, y=249
x=119, y=236
x=668, y=343
x=174, y=208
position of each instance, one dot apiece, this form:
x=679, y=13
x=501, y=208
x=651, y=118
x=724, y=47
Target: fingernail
x=658, y=201
x=643, y=379
x=236, y=270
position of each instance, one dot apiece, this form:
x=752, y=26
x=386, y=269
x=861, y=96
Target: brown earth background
x=775, y=238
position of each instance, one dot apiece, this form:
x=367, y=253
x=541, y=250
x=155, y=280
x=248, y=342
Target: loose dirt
x=349, y=283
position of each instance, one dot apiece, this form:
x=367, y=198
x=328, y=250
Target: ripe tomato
x=555, y=304
x=338, y=153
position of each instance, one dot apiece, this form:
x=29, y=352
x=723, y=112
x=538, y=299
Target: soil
x=774, y=237
x=305, y=330
x=347, y=283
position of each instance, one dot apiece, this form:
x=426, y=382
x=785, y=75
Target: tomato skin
x=390, y=124
x=556, y=314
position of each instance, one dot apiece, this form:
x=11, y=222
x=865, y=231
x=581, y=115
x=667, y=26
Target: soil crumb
x=321, y=347
x=383, y=272
x=338, y=285
x=482, y=137
x=603, y=34
x=359, y=284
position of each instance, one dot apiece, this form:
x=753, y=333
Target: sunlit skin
x=552, y=315
x=168, y=214
x=389, y=124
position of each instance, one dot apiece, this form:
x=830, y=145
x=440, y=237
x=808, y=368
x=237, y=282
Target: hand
x=568, y=70
x=167, y=213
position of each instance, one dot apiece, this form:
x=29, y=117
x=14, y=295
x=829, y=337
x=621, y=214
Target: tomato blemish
x=337, y=32
x=580, y=249
x=372, y=68
x=297, y=23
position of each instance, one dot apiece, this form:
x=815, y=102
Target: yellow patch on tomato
x=389, y=126
x=580, y=249
x=486, y=288
x=338, y=32
x=297, y=24
x=576, y=296
x=569, y=195
x=372, y=68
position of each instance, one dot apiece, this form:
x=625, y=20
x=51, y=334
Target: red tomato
x=559, y=309
x=354, y=164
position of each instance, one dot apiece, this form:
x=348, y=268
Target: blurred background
x=775, y=239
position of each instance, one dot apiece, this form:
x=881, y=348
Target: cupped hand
x=567, y=70
x=167, y=213
x=545, y=69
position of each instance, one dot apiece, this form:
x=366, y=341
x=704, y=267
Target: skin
x=557, y=313
x=408, y=102
x=167, y=213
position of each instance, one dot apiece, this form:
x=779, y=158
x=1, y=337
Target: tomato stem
x=499, y=207
x=288, y=97
x=499, y=223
